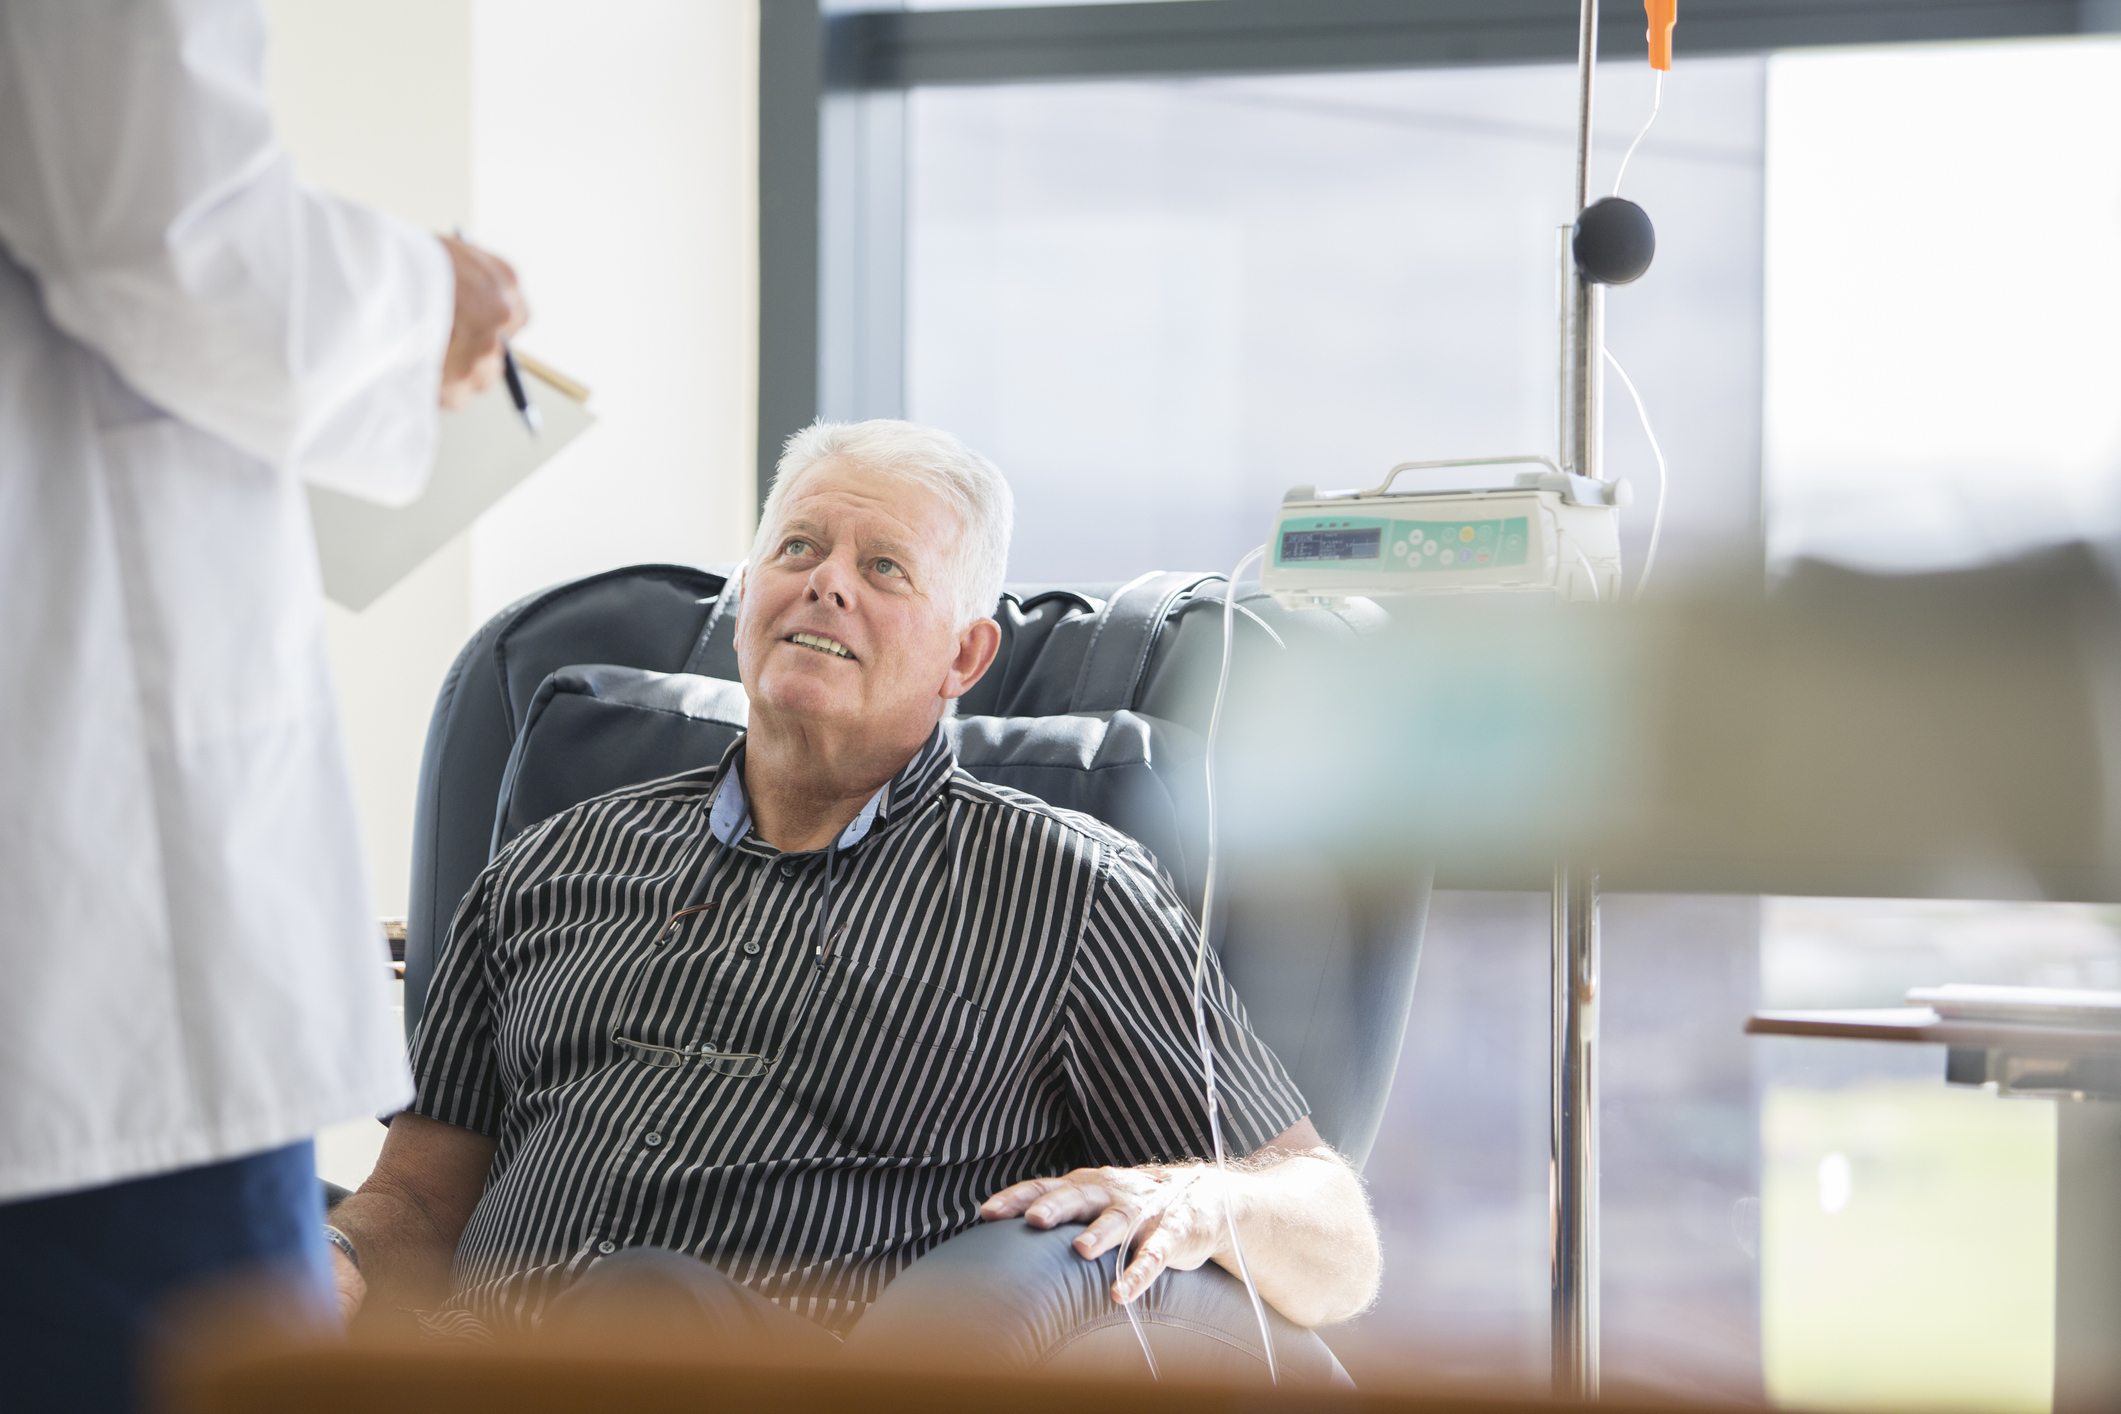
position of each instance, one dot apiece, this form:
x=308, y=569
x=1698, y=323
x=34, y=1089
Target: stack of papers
x=2048, y=1006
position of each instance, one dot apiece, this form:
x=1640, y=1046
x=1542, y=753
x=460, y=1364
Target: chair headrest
x=596, y=728
x=1064, y=648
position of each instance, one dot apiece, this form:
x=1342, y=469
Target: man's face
x=847, y=615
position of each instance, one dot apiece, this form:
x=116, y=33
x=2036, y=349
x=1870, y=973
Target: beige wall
x=373, y=97
x=608, y=149
x=616, y=165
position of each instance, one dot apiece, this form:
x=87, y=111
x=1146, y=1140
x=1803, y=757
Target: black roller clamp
x=1614, y=241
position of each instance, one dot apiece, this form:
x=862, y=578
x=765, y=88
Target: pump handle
x=1393, y=474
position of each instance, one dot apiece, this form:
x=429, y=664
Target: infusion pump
x=1551, y=531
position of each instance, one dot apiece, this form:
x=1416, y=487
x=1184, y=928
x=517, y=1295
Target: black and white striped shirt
x=1002, y=990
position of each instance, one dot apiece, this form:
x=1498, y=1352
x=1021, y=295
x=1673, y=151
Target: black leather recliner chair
x=1098, y=700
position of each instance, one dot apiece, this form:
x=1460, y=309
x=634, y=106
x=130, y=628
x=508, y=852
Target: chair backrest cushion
x=646, y=616
x=596, y=728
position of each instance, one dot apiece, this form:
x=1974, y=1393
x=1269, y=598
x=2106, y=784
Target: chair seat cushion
x=595, y=728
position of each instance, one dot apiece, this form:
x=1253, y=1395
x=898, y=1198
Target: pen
x=517, y=394
x=513, y=377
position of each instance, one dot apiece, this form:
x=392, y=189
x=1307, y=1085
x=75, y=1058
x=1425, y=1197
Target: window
x=1185, y=296
x=1945, y=275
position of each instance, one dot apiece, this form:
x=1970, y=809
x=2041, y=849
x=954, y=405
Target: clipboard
x=484, y=452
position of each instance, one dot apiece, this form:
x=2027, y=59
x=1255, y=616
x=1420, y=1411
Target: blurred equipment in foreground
x=1942, y=736
x=1951, y=735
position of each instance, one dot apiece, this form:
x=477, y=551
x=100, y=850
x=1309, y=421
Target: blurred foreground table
x=439, y=1378
x=2063, y=1045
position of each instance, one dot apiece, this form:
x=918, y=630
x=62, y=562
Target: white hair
x=967, y=482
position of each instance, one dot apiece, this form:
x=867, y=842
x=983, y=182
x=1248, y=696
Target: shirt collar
x=729, y=810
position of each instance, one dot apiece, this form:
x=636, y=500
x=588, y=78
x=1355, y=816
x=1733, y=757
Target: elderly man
x=802, y=1017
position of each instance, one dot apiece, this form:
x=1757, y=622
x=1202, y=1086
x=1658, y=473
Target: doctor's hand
x=1175, y=1216
x=490, y=308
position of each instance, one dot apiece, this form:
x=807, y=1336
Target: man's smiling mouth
x=821, y=643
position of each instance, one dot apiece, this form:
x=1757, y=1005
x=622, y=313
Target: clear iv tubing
x=1656, y=102
x=1119, y=1264
x=1585, y=561
x=1649, y=560
x=1200, y=962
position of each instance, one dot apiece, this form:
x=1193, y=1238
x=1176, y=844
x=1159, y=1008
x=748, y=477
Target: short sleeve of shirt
x=454, y=1067
x=1130, y=1044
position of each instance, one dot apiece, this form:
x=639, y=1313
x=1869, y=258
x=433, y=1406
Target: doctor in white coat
x=192, y=980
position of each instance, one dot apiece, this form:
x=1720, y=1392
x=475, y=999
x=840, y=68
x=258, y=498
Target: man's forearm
x=404, y=1259
x=1308, y=1236
x=407, y=1218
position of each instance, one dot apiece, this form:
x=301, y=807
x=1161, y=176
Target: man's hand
x=346, y=1279
x=490, y=308
x=1174, y=1217
x=1308, y=1236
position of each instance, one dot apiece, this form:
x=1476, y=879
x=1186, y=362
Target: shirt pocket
x=887, y=1062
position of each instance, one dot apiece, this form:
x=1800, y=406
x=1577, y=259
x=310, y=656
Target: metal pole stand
x=1573, y=1186
x=1573, y=1189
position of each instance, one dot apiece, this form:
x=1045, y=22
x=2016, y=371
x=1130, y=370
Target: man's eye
x=891, y=567
x=797, y=546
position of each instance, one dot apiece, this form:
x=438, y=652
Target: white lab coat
x=190, y=965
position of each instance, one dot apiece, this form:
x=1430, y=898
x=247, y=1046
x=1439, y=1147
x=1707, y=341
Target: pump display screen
x=1311, y=546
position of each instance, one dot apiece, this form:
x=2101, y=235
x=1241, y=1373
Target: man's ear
x=977, y=643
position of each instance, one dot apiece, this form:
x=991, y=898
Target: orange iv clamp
x=1664, y=16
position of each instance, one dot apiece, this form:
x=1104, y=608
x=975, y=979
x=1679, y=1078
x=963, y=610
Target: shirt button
x=789, y=868
x=607, y=1247
x=751, y=949
x=651, y=1140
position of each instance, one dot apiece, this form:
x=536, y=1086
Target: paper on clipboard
x=484, y=452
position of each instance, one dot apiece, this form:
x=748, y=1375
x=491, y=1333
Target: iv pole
x=1573, y=1153
x=1613, y=244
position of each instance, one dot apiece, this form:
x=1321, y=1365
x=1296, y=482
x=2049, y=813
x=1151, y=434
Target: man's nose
x=831, y=580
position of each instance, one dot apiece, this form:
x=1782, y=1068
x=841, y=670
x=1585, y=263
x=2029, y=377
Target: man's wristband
x=344, y=1243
